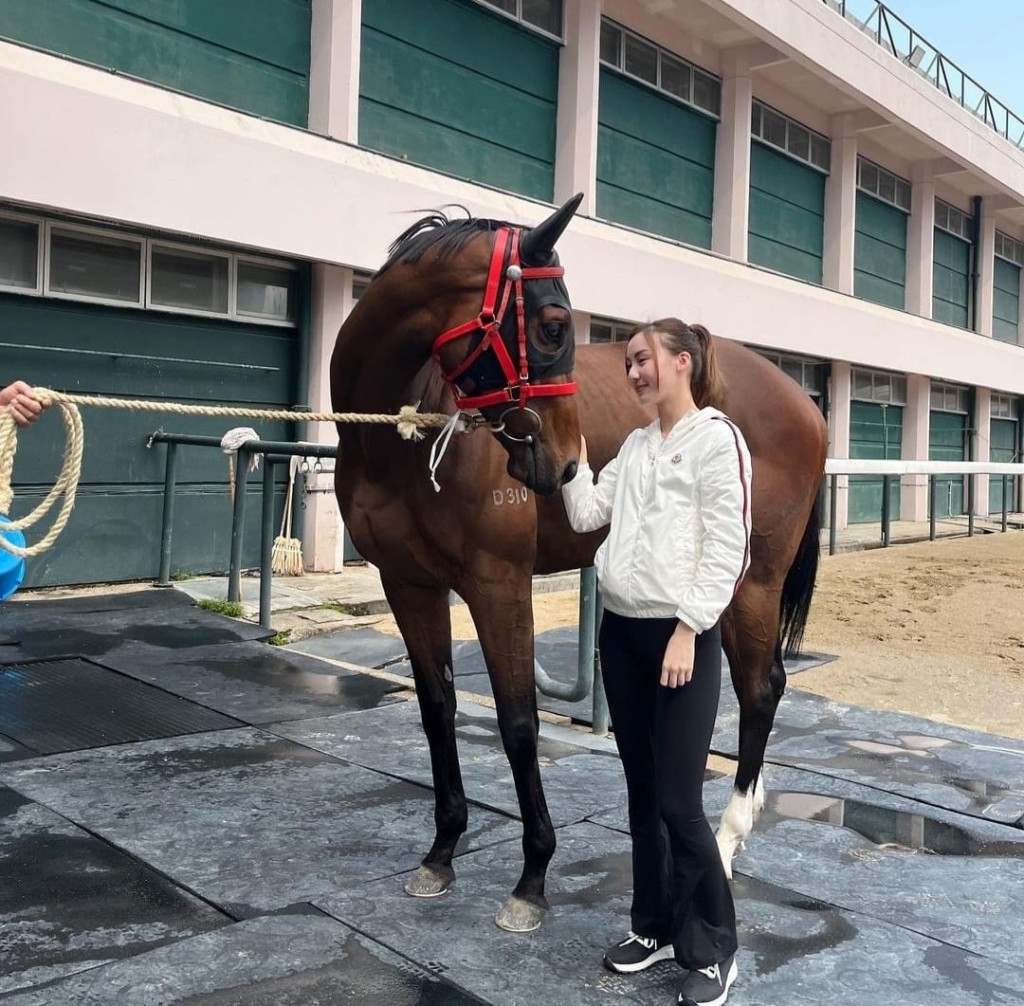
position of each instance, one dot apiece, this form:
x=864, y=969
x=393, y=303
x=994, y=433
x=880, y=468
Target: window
x=949, y=218
x=879, y=386
x=360, y=281
x=266, y=291
x=790, y=136
x=20, y=254
x=882, y=184
x=609, y=330
x=188, y=280
x=807, y=372
x=1006, y=247
x=1004, y=407
x=643, y=60
x=948, y=397
x=95, y=266
x=543, y=14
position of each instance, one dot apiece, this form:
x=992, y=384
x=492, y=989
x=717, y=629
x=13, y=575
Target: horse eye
x=553, y=329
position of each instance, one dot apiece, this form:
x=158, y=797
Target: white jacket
x=679, y=509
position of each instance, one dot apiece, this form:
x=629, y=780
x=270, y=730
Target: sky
x=985, y=38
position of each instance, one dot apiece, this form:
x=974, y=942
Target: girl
x=677, y=497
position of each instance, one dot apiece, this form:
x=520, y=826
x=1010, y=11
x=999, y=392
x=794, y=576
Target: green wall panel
x=880, y=253
x=1006, y=302
x=97, y=350
x=951, y=279
x=655, y=162
x=1003, y=443
x=251, y=56
x=876, y=434
x=432, y=91
x=787, y=214
x=947, y=441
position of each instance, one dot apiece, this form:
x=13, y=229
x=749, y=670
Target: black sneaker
x=636, y=953
x=709, y=986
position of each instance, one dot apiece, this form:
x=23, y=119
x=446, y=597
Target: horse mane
x=438, y=230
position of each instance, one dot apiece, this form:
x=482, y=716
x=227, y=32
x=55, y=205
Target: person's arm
x=17, y=400
x=589, y=506
x=724, y=513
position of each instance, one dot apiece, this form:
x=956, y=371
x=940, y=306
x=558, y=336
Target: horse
x=472, y=317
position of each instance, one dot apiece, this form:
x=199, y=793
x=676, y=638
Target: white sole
x=729, y=979
x=664, y=954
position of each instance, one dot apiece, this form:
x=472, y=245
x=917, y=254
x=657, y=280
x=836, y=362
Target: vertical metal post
x=970, y=505
x=932, y=504
x=601, y=718
x=886, y=530
x=170, y=478
x=1006, y=498
x=238, y=525
x=833, y=510
x=266, y=543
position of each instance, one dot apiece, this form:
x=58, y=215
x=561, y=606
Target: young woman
x=677, y=498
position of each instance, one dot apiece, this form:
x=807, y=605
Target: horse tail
x=798, y=588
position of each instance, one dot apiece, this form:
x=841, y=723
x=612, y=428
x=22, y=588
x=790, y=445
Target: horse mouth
x=523, y=467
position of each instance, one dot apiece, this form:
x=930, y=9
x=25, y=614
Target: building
x=191, y=195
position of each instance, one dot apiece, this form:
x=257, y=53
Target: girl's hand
x=18, y=400
x=677, y=667
x=583, y=449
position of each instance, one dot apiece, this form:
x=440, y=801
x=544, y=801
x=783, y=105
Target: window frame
x=160, y=244
x=876, y=193
x=517, y=18
x=617, y=325
x=945, y=388
x=895, y=380
x=40, y=223
x=968, y=220
x=757, y=109
x=258, y=319
x=1003, y=406
x=112, y=235
x=1009, y=249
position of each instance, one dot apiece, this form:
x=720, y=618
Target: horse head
x=514, y=361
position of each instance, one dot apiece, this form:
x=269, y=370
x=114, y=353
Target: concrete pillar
x=841, y=208
x=334, y=69
x=731, y=214
x=921, y=244
x=581, y=326
x=981, y=431
x=322, y=535
x=914, y=488
x=986, y=272
x=840, y=386
x=578, y=88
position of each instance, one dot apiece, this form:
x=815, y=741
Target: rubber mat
x=49, y=706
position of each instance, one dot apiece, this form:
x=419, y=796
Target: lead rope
x=409, y=424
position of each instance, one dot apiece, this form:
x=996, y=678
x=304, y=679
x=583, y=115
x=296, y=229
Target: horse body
x=484, y=535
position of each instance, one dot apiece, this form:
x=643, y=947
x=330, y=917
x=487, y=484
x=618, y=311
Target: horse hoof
x=425, y=883
x=519, y=916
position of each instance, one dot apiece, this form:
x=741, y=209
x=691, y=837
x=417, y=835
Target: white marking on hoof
x=736, y=824
x=519, y=916
x=425, y=883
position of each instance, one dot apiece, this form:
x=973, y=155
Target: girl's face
x=655, y=373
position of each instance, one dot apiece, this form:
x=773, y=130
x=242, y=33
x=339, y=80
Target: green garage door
x=951, y=276
x=876, y=434
x=947, y=441
x=450, y=85
x=1003, y=441
x=787, y=214
x=114, y=531
x=1006, y=302
x=655, y=162
x=880, y=252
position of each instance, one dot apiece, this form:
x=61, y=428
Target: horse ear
x=539, y=242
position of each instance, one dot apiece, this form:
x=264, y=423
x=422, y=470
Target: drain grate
x=50, y=706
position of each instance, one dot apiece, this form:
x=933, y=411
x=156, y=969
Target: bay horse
x=473, y=313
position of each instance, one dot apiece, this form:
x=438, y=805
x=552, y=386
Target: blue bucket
x=12, y=567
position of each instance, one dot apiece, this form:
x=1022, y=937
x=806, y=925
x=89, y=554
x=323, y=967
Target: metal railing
x=935, y=470
x=897, y=37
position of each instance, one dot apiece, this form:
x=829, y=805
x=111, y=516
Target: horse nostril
x=570, y=472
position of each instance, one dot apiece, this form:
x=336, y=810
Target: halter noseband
x=503, y=280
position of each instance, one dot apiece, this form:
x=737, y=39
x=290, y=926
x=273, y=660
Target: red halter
x=519, y=388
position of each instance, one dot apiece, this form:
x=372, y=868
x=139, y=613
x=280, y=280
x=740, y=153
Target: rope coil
x=409, y=424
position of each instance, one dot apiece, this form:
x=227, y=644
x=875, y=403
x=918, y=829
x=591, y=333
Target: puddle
x=896, y=831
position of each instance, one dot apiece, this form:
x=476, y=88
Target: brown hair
x=706, y=384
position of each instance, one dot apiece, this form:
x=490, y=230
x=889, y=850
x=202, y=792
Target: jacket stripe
x=746, y=503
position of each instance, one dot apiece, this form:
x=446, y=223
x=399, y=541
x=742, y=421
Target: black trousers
x=680, y=891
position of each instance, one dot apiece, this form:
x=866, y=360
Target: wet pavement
x=190, y=816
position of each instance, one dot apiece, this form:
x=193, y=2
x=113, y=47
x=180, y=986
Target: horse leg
x=503, y=615
x=424, y=618
x=750, y=638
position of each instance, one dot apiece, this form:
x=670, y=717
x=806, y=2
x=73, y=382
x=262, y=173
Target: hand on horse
x=583, y=449
x=677, y=667
x=23, y=406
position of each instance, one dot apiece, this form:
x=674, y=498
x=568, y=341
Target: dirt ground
x=935, y=629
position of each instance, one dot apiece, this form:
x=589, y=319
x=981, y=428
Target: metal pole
x=581, y=687
x=970, y=505
x=833, y=510
x=933, y=502
x=170, y=478
x=886, y=479
x=266, y=543
x=238, y=525
x=600, y=715
x=1006, y=498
